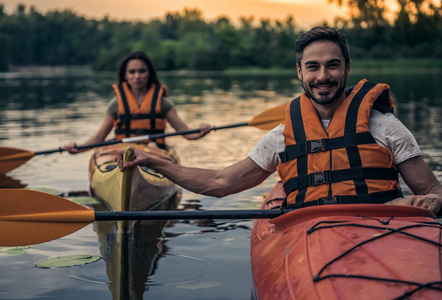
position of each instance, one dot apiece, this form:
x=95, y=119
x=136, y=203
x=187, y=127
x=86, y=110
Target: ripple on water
x=184, y=277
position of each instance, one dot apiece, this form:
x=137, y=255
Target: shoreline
x=425, y=65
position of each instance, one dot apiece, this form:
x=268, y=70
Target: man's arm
x=238, y=177
x=422, y=182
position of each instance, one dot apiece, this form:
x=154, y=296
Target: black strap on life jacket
x=375, y=198
x=125, y=119
x=327, y=177
x=300, y=137
x=349, y=141
x=153, y=115
x=312, y=146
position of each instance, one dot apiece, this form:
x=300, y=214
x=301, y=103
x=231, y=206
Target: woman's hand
x=205, y=129
x=71, y=148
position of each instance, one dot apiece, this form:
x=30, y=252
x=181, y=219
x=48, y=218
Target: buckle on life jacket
x=320, y=178
x=329, y=200
x=313, y=146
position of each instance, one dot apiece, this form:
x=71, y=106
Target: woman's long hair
x=153, y=77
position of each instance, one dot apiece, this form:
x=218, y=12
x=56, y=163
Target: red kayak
x=348, y=251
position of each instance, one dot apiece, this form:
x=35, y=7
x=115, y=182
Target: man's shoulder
x=380, y=116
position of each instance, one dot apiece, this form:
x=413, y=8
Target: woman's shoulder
x=166, y=105
x=112, y=107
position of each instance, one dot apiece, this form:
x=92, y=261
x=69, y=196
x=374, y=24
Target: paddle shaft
x=141, y=138
x=189, y=215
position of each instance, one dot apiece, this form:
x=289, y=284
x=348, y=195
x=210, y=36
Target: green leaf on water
x=83, y=200
x=247, y=205
x=67, y=261
x=8, y=251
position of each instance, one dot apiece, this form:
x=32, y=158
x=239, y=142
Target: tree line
x=184, y=40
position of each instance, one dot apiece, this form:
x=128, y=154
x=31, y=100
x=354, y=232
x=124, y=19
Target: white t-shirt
x=386, y=129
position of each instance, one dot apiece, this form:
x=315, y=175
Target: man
x=337, y=145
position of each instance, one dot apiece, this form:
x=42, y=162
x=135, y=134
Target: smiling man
x=338, y=145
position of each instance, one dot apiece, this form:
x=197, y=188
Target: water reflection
x=131, y=251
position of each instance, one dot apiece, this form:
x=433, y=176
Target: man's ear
x=348, y=69
x=298, y=69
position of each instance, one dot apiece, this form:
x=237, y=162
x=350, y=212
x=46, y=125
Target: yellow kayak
x=147, y=189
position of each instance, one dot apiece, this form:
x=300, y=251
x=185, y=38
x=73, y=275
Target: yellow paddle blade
x=11, y=158
x=269, y=118
x=30, y=217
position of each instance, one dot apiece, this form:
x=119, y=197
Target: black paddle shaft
x=189, y=215
x=148, y=137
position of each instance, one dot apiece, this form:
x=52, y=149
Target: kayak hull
x=148, y=188
x=353, y=251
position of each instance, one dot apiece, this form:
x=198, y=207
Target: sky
x=305, y=12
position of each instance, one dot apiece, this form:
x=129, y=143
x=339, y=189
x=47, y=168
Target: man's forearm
x=235, y=178
x=238, y=177
x=197, y=180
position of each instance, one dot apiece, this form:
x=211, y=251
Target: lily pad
x=9, y=251
x=247, y=205
x=66, y=261
x=83, y=200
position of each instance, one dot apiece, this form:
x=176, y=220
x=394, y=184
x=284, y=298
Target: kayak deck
x=347, y=252
x=148, y=188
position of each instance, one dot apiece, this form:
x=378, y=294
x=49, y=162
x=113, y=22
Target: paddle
x=11, y=158
x=31, y=217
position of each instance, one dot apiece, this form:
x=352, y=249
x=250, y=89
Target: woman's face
x=136, y=74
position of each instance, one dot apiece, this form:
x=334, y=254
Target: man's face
x=323, y=72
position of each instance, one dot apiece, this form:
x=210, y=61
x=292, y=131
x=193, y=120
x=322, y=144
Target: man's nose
x=323, y=74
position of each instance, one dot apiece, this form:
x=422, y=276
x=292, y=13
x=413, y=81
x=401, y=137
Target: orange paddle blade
x=269, y=118
x=11, y=158
x=30, y=217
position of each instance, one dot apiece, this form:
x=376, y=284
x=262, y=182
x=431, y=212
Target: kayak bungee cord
x=389, y=230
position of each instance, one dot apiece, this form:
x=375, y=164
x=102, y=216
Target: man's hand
x=141, y=158
x=430, y=201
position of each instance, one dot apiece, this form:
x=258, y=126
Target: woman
x=140, y=106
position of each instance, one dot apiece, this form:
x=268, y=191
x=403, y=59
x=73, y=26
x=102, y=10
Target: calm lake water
x=177, y=260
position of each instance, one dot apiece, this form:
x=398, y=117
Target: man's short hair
x=322, y=33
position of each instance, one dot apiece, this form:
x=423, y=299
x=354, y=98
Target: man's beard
x=326, y=99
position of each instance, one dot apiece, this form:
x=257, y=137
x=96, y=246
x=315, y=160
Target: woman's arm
x=98, y=137
x=179, y=125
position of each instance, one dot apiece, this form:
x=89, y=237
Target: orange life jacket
x=342, y=164
x=137, y=120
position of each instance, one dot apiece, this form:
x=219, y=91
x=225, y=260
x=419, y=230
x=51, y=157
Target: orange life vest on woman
x=342, y=164
x=134, y=120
